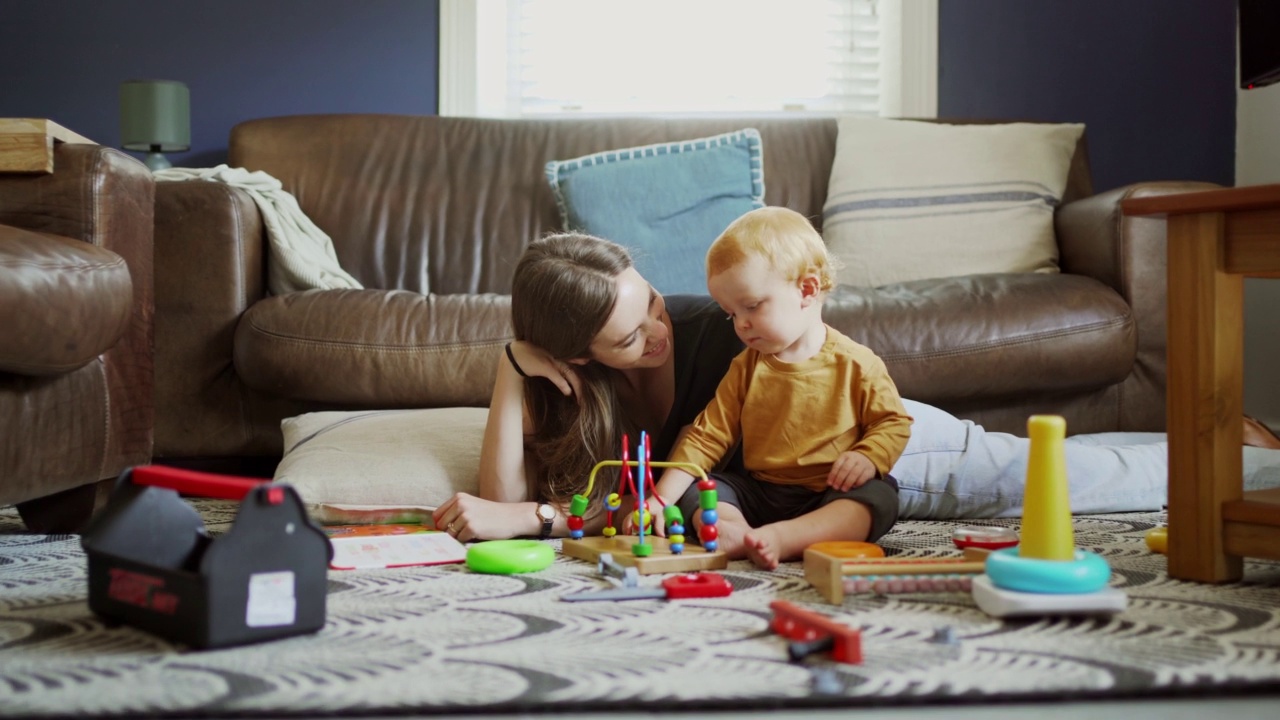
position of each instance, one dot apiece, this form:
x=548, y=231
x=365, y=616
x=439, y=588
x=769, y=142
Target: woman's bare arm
x=502, y=457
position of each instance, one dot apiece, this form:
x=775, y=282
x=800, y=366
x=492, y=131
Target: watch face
x=546, y=512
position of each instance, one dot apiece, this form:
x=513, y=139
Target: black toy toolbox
x=153, y=565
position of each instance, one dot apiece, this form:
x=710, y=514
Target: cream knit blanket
x=301, y=255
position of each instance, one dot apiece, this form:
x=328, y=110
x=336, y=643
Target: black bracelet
x=515, y=364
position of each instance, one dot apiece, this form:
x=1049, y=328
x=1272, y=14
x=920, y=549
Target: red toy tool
x=812, y=632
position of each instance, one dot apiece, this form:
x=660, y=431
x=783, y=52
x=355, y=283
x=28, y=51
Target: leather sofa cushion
x=374, y=348
x=944, y=341
x=982, y=337
x=65, y=301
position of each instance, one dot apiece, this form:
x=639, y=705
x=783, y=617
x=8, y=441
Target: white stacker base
x=998, y=602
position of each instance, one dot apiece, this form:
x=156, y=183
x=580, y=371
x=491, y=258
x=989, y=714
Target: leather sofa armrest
x=66, y=302
x=210, y=268
x=1096, y=239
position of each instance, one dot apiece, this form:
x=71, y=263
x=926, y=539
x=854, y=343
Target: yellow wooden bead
x=610, y=531
x=635, y=518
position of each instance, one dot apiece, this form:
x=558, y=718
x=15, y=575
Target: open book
x=358, y=547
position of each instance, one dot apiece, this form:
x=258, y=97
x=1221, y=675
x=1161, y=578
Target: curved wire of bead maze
x=671, y=514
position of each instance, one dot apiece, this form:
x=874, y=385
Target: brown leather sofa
x=431, y=213
x=76, y=403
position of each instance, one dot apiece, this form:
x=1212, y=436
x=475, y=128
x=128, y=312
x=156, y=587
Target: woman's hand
x=536, y=362
x=467, y=518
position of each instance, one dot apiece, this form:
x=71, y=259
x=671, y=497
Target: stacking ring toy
x=508, y=557
x=1087, y=573
x=848, y=549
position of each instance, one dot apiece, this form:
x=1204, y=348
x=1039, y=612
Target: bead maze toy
x=1046, y=573
x=153, y=565
x=648, y=553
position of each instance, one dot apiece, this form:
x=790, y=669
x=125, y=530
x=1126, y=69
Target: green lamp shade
x=155, y=115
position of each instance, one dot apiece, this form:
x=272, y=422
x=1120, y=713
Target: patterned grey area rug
x=444, y=640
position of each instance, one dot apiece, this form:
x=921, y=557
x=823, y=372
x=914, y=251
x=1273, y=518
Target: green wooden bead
x=673, y=515
x=642, y=549
x=578, y=505
x=707, y=499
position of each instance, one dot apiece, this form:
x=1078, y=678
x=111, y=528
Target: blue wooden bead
x=710, y=545
x=676, y=548
x=676, y=529
x=575, y=534
x=709, y=517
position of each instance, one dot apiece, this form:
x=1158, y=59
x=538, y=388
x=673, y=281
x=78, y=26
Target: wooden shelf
x=1257, y=507
x=1252, y=197
x=26, y=144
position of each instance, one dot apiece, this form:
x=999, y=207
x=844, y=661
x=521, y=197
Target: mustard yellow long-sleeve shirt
x=794, y=419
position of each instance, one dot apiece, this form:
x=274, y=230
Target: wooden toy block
x=693, y=559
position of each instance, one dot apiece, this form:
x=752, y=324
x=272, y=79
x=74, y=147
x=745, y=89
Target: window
x=521, y=58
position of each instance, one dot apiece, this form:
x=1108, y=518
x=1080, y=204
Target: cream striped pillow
x=912, y=200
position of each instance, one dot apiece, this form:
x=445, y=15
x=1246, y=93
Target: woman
x=599, y=353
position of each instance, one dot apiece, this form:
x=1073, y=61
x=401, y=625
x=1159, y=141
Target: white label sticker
x=271, y=600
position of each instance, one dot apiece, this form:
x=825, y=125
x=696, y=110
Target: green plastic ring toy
x=508, y=557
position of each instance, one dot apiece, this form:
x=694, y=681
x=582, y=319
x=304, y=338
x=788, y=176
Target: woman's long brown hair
x=564, y=290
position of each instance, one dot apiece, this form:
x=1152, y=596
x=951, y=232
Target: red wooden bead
x=707, y=484
x=575, y=522
x=708, y=532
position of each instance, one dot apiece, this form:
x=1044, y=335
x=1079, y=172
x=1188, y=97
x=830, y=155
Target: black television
x=1259, y=42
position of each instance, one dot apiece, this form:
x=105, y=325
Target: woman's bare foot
x=763, y=547
x=1258, y=435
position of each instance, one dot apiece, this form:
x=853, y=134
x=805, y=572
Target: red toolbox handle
x=193, y=482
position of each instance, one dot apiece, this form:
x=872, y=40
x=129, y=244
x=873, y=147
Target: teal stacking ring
x=508, y=557
x=1087, y=573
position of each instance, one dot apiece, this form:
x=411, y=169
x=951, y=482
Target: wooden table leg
x=1205, y=397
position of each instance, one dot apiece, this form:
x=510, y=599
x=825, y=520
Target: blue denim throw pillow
x=666, y=203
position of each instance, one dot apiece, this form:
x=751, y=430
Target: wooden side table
x=26, y=144
x=1216, y=239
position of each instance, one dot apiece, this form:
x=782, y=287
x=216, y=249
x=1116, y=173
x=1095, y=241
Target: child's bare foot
x=730, y=534
x=762, y=546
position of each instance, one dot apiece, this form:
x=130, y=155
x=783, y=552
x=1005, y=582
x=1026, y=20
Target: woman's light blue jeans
x=953, y=468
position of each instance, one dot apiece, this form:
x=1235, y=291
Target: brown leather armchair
x=76, y=379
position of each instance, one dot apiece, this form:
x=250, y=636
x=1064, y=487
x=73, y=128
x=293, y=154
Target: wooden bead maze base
x=693, y=559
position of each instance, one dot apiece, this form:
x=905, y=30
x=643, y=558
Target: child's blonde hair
x=780, y=235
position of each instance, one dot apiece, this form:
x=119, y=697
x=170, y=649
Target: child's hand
x=850, y=470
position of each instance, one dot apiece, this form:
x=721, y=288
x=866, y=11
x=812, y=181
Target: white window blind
x=519, y=58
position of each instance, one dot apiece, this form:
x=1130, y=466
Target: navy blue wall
x=241, y=59
x=1153, y=82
